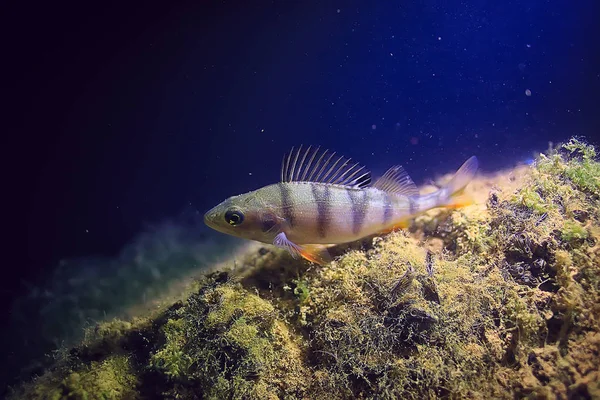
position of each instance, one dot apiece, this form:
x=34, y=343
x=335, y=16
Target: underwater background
x=131, y=121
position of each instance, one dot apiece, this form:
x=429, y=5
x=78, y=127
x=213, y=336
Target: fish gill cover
x=498, y=299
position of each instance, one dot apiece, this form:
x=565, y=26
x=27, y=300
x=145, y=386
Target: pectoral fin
x=312, y=252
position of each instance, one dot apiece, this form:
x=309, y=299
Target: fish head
x=245, y=216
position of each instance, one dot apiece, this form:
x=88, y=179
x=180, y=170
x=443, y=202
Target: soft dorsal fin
x=314, y=165
x=397, y=181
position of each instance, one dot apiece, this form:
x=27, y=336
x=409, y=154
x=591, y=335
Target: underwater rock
x=500, y=299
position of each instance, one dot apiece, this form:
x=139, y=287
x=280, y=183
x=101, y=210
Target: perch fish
x=324, y=199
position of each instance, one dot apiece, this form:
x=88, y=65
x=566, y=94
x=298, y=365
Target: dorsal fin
x=314, y=165
x=396, y=180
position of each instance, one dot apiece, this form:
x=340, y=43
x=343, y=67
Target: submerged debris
x=429, y=263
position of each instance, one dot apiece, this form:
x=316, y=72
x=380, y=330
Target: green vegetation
x=112, y=378
x=497, y=300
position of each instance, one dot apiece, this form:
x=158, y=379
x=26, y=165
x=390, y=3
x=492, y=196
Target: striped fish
x=325, y=199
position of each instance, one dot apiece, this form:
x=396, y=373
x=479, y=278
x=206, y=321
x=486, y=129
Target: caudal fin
x=455, y=188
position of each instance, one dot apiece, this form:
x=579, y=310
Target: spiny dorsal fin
x=396, y=180
x=314, y=165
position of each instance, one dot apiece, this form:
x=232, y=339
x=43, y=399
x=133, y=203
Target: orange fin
x=316, y=253
x=405, y=223
x=458, y=201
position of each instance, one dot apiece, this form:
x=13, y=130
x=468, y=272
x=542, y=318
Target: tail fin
x=454, y=189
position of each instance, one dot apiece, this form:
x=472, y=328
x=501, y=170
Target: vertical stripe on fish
x=287, y=204
x=322, y=198
x=360, y=203
x=388, y=209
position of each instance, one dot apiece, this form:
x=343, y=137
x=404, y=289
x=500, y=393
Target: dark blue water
x=133, y=115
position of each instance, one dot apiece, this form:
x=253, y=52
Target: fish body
x=321, y=213
x=324, y=200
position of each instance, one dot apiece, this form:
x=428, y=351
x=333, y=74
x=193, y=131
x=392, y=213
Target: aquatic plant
x=499, y=299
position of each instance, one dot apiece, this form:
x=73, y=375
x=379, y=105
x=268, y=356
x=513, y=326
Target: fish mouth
x=210, y=218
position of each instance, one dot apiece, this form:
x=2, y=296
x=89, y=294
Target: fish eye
x=234, y=217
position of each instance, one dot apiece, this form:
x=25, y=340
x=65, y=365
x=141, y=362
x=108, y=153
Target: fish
x=324, y=199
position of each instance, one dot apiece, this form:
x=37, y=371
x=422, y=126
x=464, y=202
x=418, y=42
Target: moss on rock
x=111, y=378
x=499, y=299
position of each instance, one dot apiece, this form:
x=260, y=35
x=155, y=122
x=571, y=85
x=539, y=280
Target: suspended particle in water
x=527, y=92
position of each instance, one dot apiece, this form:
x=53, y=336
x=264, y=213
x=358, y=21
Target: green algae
x=301, y=290
x=573, y=232
x=507, y=307
x=112, y=378
x=170, y=358
x=228, y=342
x=109, y=379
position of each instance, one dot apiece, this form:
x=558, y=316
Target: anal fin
x=316, y=253
x=405, y=223
x=459, y=201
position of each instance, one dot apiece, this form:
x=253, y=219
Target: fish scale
x=344, y=215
